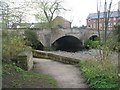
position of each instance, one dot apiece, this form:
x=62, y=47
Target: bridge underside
x=36, y=45
x=68, y=43
x=94, y=38
x=39, y=46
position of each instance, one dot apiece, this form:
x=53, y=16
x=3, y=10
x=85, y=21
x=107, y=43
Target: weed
x=18, y=78
x=18, y=69
x=99, y=76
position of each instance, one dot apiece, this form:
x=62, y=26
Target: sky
x=80, y=9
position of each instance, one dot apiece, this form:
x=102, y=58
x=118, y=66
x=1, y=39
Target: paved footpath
x=67, y=76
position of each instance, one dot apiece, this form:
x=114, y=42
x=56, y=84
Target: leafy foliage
x=48, y=9
x=92, y=44
x=15, y=77
x=32, y=40
x=117, y=34
x=12, y=45
x=98, y=75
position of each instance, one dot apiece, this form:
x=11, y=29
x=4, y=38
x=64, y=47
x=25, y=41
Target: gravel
x=85, y=55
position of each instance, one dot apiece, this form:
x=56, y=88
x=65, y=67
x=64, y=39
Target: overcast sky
x=80, y=9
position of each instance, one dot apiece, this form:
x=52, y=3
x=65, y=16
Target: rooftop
x=56, y=21
x=95, y=15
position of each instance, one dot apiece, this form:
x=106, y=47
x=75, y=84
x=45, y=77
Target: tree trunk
x=119, y=66
x=119, y=53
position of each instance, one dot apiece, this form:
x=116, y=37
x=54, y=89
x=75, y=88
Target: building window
x=91, y=25
x=114, y=23
x=88, y=25
x=114, y=18
x=109, y=24
x=100, y=24
x=118, y=18
x=89, y=20
x=94, y=25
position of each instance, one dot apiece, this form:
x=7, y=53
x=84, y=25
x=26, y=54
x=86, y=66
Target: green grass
x=15, y=77
x=98, y=75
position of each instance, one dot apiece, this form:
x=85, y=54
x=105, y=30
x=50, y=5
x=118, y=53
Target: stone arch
x=77, y=35
x=40, y=46
x=67, y=43
x=41, y=38
x=53, y=39
x=93, y=37
x=64, y=35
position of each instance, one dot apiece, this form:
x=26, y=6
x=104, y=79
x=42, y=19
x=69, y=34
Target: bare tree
x=119, y=51
x=98, y=13
x=107, y=13
x=14, y=12
x=50, y=9
x=119, y=42
x=4, y=13
x=106, y=18
x=18, y=13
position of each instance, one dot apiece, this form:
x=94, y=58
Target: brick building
x=92, y=20
x=119, y=12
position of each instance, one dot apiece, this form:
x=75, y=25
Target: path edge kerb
x=55, y=57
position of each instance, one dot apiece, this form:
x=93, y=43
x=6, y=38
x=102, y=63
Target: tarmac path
x=67, y=76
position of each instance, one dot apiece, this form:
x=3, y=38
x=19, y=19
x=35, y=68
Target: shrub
x=116, y=43
x=14, y=77
x=99, y=75
x=32, y=39
x=92, y=44
x=12, y=45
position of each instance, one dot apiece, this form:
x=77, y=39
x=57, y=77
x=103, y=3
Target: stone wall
x=25, y=59
x=48, y=55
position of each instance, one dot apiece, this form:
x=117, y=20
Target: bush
x=32, y=40
x=12, y=45
x=99, y=75
x=116, y=43
x=92, y=44
x=14, y=77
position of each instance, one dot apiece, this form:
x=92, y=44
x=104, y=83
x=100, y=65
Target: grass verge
x=15, y=77
x=98, y=75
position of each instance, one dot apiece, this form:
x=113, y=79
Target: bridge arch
x=67, y=43
x=64, y=35
x=42, y=38
x=39, y=46
x=93, y=37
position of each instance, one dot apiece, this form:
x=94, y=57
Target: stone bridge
x=48, y=37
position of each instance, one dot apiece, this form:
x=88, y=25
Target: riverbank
x=92, y=54
x=14, y=77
